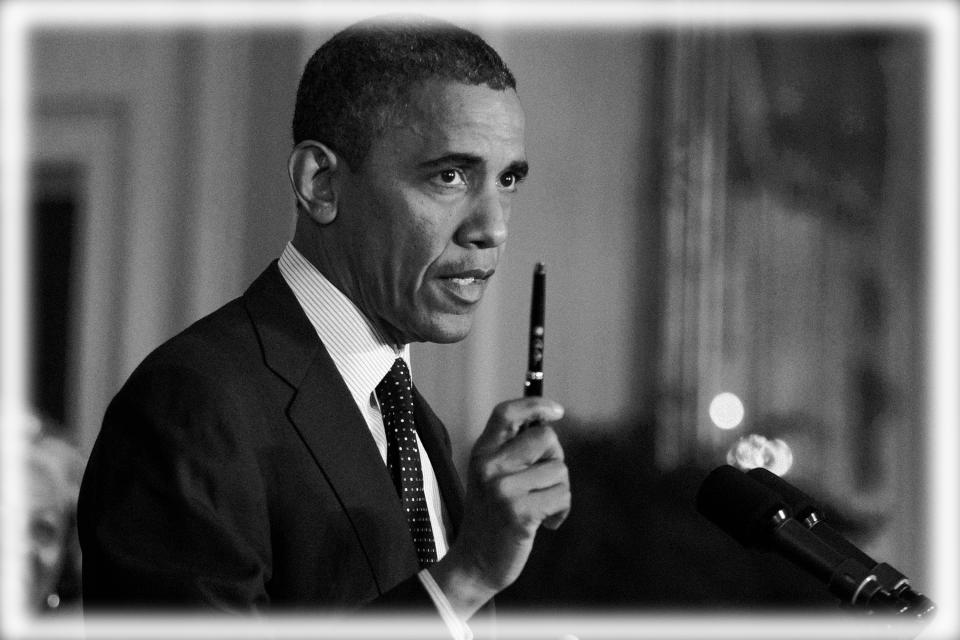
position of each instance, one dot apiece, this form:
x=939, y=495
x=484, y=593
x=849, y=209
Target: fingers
x=508, y=417
x=548, y=504
x=533, y=445
x=540, y=477
x=538, y=493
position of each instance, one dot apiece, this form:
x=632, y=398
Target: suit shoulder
x=206, y=376
x=216, y=341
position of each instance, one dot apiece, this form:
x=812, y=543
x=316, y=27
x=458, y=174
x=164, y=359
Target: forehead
x=454, y=118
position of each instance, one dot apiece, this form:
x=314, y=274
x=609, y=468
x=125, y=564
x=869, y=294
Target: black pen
x=533, y=385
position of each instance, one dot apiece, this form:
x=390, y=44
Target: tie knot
x=395, y=393
x=398, y=374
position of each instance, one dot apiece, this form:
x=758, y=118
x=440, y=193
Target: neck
x=310, y=243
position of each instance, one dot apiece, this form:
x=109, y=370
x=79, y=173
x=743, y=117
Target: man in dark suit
x=250, y=463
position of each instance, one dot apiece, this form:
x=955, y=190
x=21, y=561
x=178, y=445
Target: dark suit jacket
x=235, y=471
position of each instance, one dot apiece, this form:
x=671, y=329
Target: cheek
x=423, y=235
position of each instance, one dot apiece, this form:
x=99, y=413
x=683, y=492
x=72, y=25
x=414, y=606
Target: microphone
x=757, y=514
x=895, y=587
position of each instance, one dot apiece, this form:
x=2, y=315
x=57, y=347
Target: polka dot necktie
x=395, y=394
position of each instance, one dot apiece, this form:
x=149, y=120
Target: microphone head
x=740, y=505
x=800, y=503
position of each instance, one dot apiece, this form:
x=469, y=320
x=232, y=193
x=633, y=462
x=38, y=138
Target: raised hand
x=517, y=481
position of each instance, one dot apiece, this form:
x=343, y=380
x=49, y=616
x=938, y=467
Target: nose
x=485, y=225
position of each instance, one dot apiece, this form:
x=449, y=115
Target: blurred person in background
x=54, y=470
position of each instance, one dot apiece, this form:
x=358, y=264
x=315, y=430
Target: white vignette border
x=941, y=21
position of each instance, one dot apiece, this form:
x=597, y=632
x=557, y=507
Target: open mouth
x=469, y=277
x=467, y=286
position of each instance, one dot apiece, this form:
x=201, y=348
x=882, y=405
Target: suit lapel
x=435, y=441
x=330, y=424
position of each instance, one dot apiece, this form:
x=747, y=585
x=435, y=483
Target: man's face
x=427, y=211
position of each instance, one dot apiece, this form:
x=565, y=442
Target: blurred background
x=732, y=222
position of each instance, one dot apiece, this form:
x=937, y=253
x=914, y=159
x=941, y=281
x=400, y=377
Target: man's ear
x=313, y=168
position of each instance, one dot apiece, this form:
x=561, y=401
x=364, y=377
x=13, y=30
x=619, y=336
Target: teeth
x=464, y=281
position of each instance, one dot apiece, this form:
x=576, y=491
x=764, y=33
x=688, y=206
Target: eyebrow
x=520, y=167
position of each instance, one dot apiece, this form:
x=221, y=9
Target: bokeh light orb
x=726, y=410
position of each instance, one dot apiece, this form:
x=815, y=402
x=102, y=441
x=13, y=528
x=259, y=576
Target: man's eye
x=450, y=178
x=509, y=181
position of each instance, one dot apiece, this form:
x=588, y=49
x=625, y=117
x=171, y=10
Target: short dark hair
x=359, y=81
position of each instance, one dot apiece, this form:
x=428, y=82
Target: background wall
x=191, y=200
x=180, y=140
